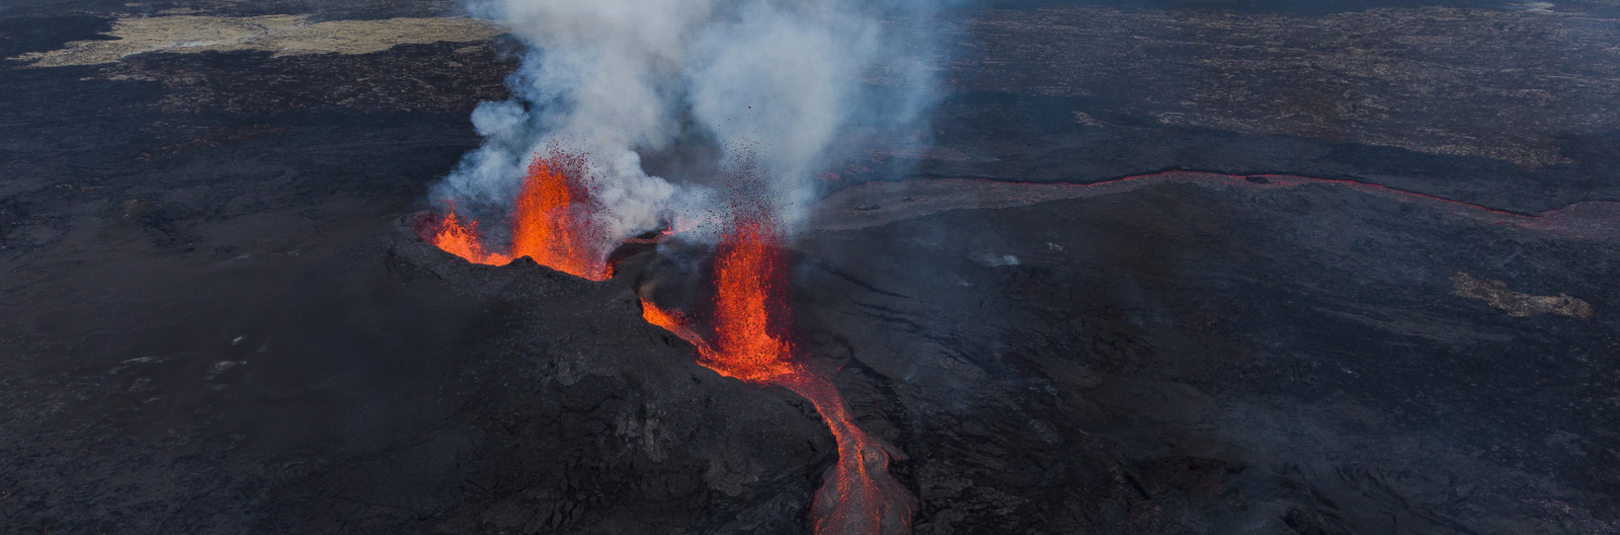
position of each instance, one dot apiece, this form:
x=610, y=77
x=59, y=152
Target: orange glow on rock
x=669, y=321
x=463, y=240
x=858, y=495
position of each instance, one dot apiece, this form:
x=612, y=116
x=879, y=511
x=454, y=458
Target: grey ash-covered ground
x=217, y=318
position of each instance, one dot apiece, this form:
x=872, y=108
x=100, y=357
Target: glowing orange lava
x=748, y=272
x=463, y=240
x=859, y=496
x=551, y=222
x=671, y=322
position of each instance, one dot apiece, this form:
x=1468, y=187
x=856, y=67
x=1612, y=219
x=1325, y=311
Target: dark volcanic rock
x=511, y=398
x=39, y=34
x=216, y=320
x=598, y=422
x=1256, y=361
x=439, y=78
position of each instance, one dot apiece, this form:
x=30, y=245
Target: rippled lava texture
x=218, y=318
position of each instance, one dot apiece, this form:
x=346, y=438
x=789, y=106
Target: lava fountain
x=859, y=496
x=550, y=222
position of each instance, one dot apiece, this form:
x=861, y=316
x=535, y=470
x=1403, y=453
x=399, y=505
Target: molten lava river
x=550, y=223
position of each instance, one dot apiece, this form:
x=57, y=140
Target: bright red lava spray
x=551, y=222
x=859, y=495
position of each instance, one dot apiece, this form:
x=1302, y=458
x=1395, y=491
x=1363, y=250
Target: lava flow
x=551, y=223
x=859, y=496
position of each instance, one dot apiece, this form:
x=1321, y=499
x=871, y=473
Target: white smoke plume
x=772, y=81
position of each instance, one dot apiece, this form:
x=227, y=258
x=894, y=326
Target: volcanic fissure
x=744, y=336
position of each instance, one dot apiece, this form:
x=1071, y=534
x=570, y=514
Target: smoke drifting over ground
x=770, y=83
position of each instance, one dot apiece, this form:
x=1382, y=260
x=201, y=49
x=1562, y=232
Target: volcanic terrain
x=1156, y=267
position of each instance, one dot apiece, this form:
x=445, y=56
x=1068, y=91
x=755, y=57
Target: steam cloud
x=772, y=82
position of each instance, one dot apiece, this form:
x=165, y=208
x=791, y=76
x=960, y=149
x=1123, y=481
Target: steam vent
x=810, y=267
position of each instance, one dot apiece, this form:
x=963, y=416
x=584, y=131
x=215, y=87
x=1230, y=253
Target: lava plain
x=219, y=323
